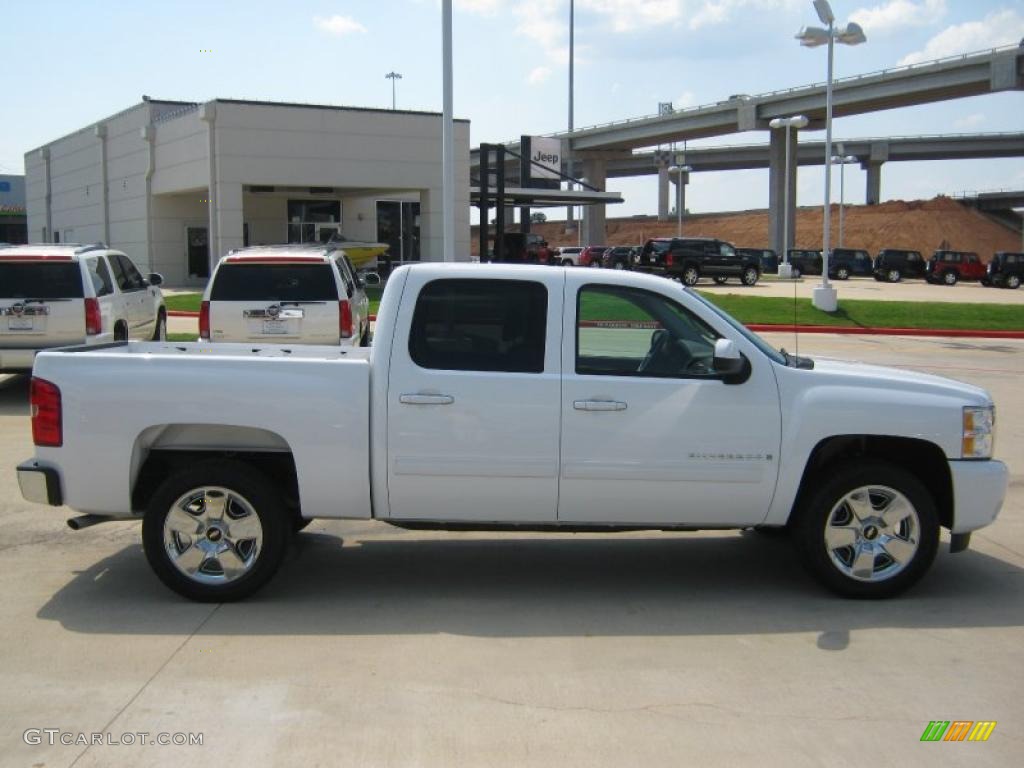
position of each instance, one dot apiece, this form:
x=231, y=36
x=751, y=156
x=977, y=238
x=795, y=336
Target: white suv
x=62, y=295
x=305, y=294
x=569, y=256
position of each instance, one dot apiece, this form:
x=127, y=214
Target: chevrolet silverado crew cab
x=302, y=294
x=505, y=397
x=61, y=295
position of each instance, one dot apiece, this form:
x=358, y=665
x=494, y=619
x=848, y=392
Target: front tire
x=868, y=531
x=749, y=277
x=567, y=262
x=216, y=531
x=1013, y=282
x=842, y=273
x=894, y=276
x=160, y=332
x=950, y=278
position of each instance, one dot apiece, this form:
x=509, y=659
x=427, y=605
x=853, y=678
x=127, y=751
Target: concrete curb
x=842, y=330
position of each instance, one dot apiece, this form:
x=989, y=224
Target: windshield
x=748, y=334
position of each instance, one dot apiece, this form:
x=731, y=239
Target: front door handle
x=599, y=405
x=419, y=399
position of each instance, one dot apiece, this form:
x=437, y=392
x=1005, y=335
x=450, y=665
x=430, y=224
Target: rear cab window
x=240, y=281
x=480, y=325
x=102, y=284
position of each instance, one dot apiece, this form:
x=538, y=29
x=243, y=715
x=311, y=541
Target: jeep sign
x=545, y=157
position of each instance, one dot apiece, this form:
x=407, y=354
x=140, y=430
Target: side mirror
x=155, y=278
x=371, y=278
x=729, y=363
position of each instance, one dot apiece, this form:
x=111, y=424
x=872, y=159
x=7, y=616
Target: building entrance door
x=198, y=245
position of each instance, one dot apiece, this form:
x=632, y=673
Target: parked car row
x=894, y=264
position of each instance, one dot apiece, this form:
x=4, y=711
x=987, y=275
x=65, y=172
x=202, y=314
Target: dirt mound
x=922, y=225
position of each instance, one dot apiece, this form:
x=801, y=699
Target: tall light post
x=842, y=161
x=570, y=218
x=393, y=76
x=824, y=296
x=795, y=123
x=447, y=138
x=680, y=172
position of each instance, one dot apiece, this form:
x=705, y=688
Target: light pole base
x=825, y=298
x=786, y=271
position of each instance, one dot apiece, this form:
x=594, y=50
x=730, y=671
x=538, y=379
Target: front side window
x=727, y=251
x=127, y=276
x=480, y=325
x=632, y=332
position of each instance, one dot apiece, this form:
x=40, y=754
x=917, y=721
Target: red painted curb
x=181, y=313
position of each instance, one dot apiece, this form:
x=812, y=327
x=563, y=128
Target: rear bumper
x=15, y=360
x=979, y=488
x=39, y=484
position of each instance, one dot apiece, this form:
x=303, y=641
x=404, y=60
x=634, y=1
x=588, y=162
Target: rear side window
x=480, y=325
x=346, y=277
x=100, y=276
x=274, y=282
x=40, y=280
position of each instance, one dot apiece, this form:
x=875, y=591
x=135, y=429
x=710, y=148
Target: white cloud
x=713, y=12
x=630, y=15
x=897, y=14
x=969, y=122
x=999, y=28
x=339, y=25
x=538, y=75
x=684, y=100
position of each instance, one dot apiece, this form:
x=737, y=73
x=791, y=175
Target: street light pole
x=571, y=212
x=842, y=161
x=448, y=139
x=393, y=76
x=824, y=296
x=788, y=123
x=681, y=172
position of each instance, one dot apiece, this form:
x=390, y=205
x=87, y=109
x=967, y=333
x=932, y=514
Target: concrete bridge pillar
x=873, y=196
x=595, y=173
x=778, y=194
x=662, y=192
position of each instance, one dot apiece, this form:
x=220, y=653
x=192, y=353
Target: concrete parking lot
x=386, y=648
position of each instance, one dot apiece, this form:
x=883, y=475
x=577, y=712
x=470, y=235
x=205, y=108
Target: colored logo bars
x=958, y=730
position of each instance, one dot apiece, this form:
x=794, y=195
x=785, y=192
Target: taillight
x=345, y=319
x=204, y=320
x=670, y=260
x=47, y=429
x=93, y=319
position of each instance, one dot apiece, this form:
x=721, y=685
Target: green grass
x=770, y=310
x=183, y=302
x=182, y=336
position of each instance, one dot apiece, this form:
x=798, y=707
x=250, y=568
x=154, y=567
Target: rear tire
x=868, y=531
x=721, y=280
x=690, y=276
x=1013, y=282
x=120, y=331
x=364, y=340
x=796, y=273
x=894, y=276
x=566, y=262
x=842, y=273
x=216, y=531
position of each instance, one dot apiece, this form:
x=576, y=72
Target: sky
x=510, y=70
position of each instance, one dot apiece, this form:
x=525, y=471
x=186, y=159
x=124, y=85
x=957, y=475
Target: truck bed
x=309, y=401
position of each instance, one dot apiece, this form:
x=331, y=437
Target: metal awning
x=536, y=197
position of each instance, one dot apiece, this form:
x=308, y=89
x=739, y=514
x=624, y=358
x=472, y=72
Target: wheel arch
x=925, y=460
x=162, y=450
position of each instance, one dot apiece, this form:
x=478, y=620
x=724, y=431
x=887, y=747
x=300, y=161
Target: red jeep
x=949, y=267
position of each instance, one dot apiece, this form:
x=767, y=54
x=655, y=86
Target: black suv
x=619, y=257
x=691, y=258
x=1005, y=270
x=849, y=261
x=893, y=264
x=769, y=260
x=805, y=262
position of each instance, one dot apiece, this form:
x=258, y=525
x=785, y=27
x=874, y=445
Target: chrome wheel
x=950, y=278
x=843, y=274
x=894, y=275
x=212, y=535
x=872, y=533
x=1013, y=281
x=691, y=276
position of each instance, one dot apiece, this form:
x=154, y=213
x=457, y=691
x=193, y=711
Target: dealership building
x=176, y=185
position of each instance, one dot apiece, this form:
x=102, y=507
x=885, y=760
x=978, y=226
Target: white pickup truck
x=499, y=397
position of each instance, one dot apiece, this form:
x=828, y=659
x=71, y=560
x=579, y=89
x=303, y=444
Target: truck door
x=650, y=434
x=473, y=399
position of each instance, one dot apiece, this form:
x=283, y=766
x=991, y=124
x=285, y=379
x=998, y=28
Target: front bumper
x=979, y=488
x=39, y=484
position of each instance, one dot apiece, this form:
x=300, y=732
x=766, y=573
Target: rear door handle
x=599, y=405
x=419, y=399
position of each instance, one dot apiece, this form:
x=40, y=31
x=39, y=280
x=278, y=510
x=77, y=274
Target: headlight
x=979, y=432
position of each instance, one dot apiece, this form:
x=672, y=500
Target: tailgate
x=41, y=304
